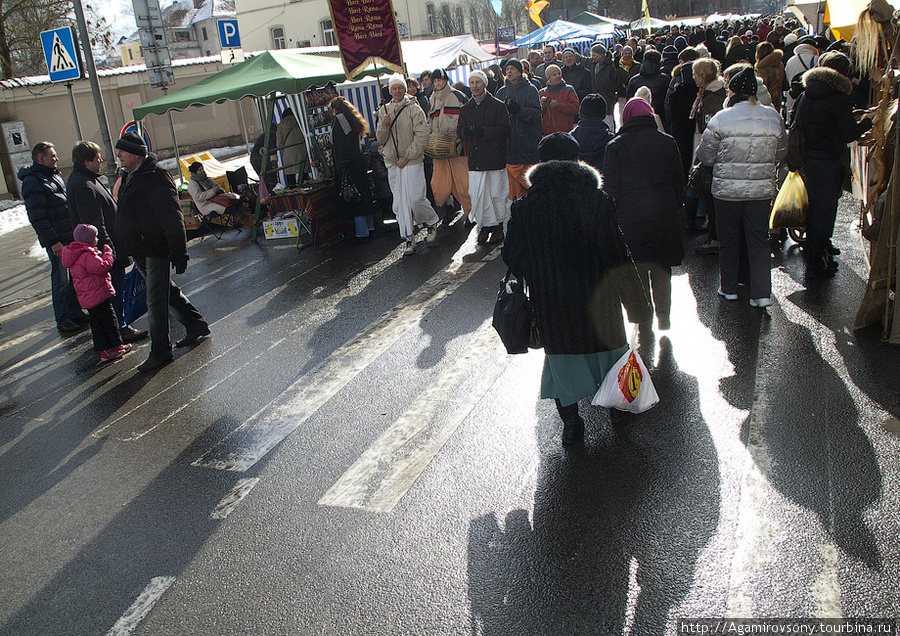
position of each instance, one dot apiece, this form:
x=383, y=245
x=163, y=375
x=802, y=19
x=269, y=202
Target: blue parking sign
x=61, y=54
x=228, y=34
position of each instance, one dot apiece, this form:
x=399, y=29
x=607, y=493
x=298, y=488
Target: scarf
x=205, y=183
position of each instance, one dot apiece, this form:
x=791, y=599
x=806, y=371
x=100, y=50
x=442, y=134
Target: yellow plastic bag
x=791, y=204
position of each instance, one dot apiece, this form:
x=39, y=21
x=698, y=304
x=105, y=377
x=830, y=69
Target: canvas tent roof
x=654, y=23
x=562, y=30
x=592, y=19
x=268, y=72
x=422, y=55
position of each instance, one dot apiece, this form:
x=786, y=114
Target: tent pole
x=299, y=105
x=244, y=126
x=269, y=104
x=174, y=141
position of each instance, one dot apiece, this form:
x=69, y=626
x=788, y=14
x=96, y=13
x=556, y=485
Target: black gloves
x=512, y=107
x=179, y=263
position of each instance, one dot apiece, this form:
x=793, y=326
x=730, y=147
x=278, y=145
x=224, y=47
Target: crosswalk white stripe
x=248, y=443
x=142, y=606
x=390, y=466
x=241, y=489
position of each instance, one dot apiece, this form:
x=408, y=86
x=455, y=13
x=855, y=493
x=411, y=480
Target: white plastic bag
x=627, y=386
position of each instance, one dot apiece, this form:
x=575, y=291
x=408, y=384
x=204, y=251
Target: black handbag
x=796, y=141
x=514, y=317
x=349, y=191
x=700, y=178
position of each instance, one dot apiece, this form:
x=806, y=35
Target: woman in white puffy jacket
x=744, y=143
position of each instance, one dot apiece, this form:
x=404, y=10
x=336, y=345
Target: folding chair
x=223, y=221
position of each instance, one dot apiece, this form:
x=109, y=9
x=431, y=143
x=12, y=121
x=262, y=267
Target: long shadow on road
x=617, y=527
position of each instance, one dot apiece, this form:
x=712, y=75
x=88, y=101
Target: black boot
x=573, y=425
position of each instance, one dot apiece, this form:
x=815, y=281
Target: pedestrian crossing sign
x=61, y=53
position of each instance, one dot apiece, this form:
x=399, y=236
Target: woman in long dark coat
x=347, y=131
x=563, y=239
x=643, y=173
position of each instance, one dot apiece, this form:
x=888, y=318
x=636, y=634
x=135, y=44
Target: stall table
x=315, y=210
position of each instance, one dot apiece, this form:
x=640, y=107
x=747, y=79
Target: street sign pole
x=74, y=111
x=95, y=90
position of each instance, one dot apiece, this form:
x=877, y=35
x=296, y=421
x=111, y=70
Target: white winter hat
x=480, y=75
x=397, y=79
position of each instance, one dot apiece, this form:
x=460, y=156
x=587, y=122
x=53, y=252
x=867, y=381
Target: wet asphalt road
x=392, y=470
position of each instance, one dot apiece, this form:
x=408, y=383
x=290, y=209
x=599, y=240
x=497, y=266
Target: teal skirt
x=569, y=377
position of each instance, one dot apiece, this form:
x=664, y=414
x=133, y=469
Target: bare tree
x=21, y=22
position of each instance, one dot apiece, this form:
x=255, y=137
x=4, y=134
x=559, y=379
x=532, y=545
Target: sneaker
x=108, y=355
x=410, y=248
x=710, y=247
x=193, y=335
x=130, y=334
x=125, y=348
x=431, y=234
x=760, y=302
x=726, y=296
x=67, y=326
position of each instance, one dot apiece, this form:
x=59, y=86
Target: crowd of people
x=588, y=168
x=585, y=199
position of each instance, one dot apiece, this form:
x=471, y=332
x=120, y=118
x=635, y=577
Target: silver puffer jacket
x=743, y=144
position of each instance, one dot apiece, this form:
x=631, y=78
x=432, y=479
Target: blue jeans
x=164, y=296
x=62, y=293
x=364, y=224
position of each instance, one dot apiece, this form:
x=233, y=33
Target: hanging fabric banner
x=366, y=32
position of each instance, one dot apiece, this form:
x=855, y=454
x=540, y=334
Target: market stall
x=301, y=80
x=570, y=33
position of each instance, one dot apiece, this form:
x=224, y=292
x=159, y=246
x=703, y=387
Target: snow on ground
x=12, y=215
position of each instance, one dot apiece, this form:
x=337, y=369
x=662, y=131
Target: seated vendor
x=208, y=196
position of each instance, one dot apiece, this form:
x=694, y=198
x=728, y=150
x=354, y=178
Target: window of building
x=182, y=36
x=204, y=34
x=460, y=21
x=278, y=39
x=429, y=15
x=130, y=55
x=328, y=38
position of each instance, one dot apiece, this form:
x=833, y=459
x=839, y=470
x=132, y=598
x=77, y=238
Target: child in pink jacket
x=93, y=287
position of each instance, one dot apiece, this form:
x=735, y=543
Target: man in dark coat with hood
x=91, y=203
x=48, y=211
x=653, y=78
x=150, y=228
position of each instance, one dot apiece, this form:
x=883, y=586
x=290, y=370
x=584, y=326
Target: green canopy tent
x=261, y=76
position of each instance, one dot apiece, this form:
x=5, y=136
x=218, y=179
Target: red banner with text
x=366, y=32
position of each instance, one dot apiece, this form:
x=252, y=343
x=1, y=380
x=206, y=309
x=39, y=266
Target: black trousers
x=104, y=329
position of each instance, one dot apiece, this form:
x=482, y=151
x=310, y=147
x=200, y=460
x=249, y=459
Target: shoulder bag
x=514, y=317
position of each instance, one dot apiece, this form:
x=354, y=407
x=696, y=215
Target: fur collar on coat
x=834, y=82
x=572, y=173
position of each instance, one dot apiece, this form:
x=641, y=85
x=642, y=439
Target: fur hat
x=593, y=106
x=132, y=143
x=516, y=64
x=652, y=55
x=558, y=145
x=85, y=233
x=480, y=75
x=439, y=73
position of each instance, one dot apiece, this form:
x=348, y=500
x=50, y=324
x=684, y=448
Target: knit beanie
x=85, y=233
x=636, y=107
x=516, y=64
x=397, y=79
x=480, y=75
x=670, y=53
x=744, y=83
x=598, y=48
x=439, y=73
x=551, y=68
x=652, y=55
x=593, y=106
x=790, y=38
x=559, y=145
x=131, y=142
x=681, y=43
x=569, y=49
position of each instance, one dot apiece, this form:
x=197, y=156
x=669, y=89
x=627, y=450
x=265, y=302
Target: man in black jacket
x=90, y=202
x=150, y=228
x=48, y=211
x=484, y=127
